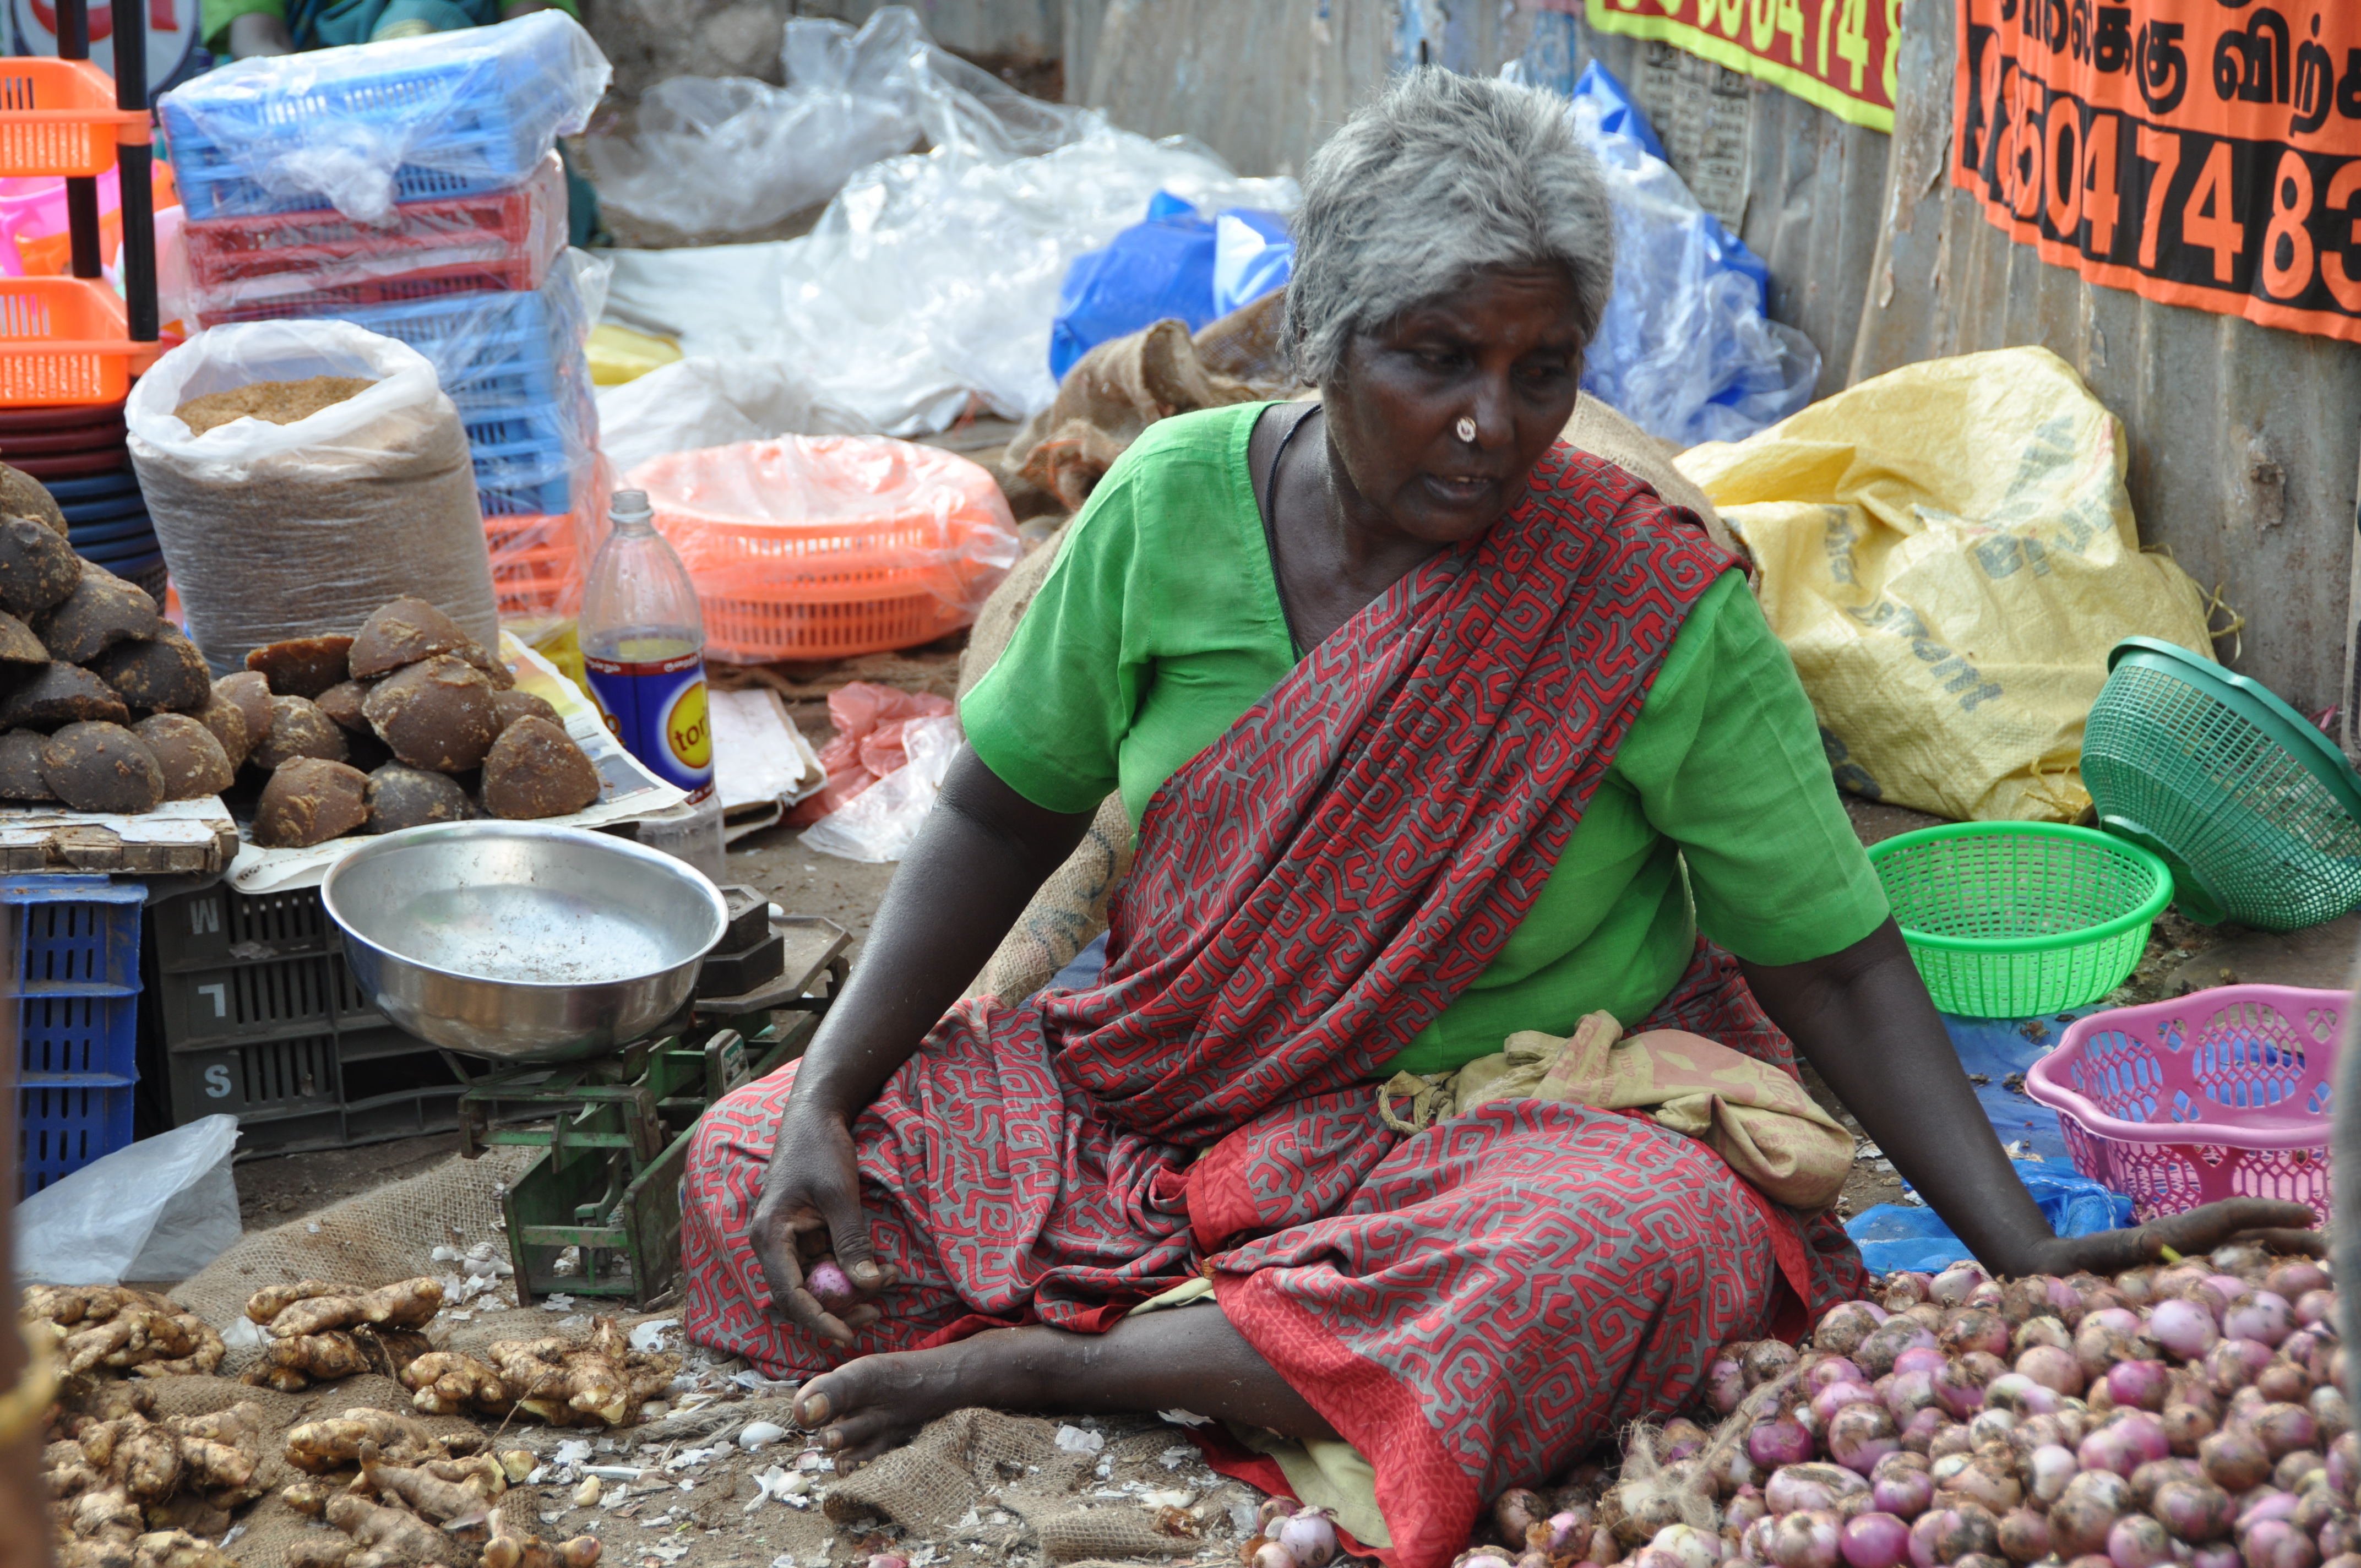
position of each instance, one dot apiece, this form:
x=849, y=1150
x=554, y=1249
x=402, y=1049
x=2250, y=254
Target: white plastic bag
x=161, y=1209
x=730, y=154
x=880, y=822
x=279, y=531
x=1684, y=350
x=361, y=127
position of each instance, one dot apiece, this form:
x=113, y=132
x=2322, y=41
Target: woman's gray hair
x=1441, y=176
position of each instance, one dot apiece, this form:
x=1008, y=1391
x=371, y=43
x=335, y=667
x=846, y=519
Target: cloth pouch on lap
x=1756, y=1117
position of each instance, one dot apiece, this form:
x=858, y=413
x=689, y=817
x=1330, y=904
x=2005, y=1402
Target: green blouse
x=1160, y=625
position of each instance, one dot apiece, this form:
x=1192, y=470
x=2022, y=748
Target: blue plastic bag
x=1176, y=264
x=1685, y=348
x=1895, y=1235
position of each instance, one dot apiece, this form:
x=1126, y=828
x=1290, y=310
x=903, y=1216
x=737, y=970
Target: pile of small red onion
x=2189, y=1414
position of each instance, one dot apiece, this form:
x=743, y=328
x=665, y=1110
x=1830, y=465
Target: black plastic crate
x=254, y=1014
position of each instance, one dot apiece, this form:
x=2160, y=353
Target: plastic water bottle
x=643, y=648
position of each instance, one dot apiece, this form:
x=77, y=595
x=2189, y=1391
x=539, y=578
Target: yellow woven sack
x=1756, y=1117
x=1948, y=553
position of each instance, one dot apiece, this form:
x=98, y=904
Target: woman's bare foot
x=879, y=1402
x=1190, y=1359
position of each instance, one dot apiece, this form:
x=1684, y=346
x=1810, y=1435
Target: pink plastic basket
x=2220, y=1094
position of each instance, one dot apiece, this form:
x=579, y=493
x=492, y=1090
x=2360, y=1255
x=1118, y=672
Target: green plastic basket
x=2016, y=919
x=2258, y=815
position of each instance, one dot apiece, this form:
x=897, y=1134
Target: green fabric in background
x=1160, y=625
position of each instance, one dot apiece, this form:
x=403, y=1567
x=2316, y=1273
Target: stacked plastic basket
x=411, y=188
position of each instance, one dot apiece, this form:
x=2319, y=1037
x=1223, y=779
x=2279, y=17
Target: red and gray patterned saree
x=1473, y=1307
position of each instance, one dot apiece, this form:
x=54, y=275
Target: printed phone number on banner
x=1837, y=54
x=2198, y=152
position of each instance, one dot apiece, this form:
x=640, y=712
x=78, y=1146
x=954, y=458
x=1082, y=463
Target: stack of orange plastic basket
x=62, y=340
x=824, y=546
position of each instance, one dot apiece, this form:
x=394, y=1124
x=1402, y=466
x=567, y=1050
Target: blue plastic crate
x=77, y=1054
x=471, y=111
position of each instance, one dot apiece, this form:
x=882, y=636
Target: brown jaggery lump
x=226, y=722
x=166, y=674
x=18, y=644
x=302, y=666
x=37, y=567
x=308, y=801
x=249, y=693
x=535, y=770
x=102, y=610
x=279, y=402
x=499, y=674
x=435, y=714
x=404, y=632
x=507, y=706
x=61, y=694
x=194, y=761
x=21, y=494
x=20, y=766
x=342, y=702
x=298, y=728
x=403, y=796
x=102, y=767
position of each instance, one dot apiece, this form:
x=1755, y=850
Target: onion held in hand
x=829, y=1285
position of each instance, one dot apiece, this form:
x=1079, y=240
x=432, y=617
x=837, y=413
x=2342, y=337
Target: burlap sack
x=1116, y=390
x=371, y=1240
x=972, y=1463
x=1244, y=347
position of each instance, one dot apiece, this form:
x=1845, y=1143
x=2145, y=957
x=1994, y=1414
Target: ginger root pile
x=601, y=1383
x=320, y=1331
x=128, y=1491
x=403, y=1498
x=105, y=1329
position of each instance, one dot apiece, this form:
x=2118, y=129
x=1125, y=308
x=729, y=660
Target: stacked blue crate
x=422, y=121
x=77, y=1057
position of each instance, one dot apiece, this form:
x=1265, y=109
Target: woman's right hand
x=808, y=1208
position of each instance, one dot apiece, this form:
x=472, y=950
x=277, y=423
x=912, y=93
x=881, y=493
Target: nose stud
x=1466, y=428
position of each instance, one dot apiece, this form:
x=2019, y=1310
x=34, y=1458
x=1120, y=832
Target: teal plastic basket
x=2258, y=815
x=2017, y=919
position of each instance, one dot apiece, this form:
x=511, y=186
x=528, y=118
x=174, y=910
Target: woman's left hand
x=2283, y=1227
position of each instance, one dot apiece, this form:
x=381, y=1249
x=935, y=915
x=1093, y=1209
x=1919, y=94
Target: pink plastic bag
x=868, y=743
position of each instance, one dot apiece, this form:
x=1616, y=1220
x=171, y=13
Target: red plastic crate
x=288, y=264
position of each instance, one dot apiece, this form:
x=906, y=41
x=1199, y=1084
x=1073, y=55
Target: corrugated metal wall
x=1025, y=29
x=1263, y=82
x=2246, y=442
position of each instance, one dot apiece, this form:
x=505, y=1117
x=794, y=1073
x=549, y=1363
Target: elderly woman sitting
x=1436, y=731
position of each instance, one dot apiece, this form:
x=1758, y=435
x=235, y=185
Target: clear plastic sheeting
x=362, y=127
x=927, y=290
x=826, y=546
x=304, y=528
x=730, y=155
x=1685, y=348
x=882, y=822
x=276, y=264
x=929, y=284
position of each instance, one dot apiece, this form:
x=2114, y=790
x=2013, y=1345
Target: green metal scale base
x=614, y=1132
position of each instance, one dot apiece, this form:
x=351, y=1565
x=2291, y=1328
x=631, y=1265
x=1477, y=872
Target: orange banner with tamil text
x=2200, y=152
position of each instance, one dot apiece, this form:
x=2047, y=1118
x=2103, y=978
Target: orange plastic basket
x=58, y=117
x=65, y=340
x=826, y=546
